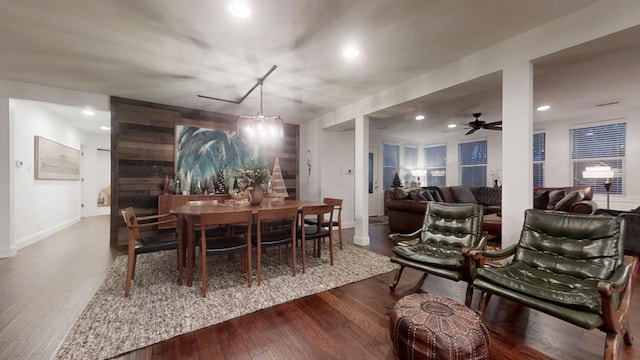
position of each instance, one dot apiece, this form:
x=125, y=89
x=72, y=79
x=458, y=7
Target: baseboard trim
x=34, y=238
x=6, y=253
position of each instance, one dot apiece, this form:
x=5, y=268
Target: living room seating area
x=405, y=208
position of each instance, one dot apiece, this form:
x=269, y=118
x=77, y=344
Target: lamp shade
x=597, y=172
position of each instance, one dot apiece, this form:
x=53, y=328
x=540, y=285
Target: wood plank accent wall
x=142, y=139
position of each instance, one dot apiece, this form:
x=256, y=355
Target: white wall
x=42, y=207
x=6, y=227
x=338, y=157
x=96, y=171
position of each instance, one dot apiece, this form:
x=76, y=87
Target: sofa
x=632, y=228
x=406, y=208
x=573, y=199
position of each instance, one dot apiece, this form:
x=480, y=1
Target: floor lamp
x=600, y=172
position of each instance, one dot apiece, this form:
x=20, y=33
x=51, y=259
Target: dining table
x=189, y=215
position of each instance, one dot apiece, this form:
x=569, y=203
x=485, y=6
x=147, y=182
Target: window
x=473, y=163
x=538, y=158
x=410, y=157
x=436, y=165
x=603, y=145
x=391, y=159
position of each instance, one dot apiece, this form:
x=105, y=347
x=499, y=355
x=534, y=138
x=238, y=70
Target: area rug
x=158, y=309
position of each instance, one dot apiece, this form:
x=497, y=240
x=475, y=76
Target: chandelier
x=260, y=127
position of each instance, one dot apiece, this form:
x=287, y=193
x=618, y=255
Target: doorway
x=373, y=183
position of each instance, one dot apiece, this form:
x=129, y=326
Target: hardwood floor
x=45, y=286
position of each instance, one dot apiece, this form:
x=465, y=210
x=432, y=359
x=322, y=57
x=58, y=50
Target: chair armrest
x=584, y=207
x=614, y=309
x=403, y=237
x=494, y=255
x=155, y=223
x=151, y=217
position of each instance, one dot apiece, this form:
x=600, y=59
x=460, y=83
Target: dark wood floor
x=45, y=286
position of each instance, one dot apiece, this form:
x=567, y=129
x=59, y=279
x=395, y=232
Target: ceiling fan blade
x=494, y=123
x=471, y=131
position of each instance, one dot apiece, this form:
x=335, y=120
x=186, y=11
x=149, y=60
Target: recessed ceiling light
x=350, y=52
x=105, y=128
x=239, y=9
x=88, y=112
x=419, y=117
x=543, y=108
x=451, y=126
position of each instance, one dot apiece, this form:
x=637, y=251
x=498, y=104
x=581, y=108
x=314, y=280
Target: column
x=361, y=231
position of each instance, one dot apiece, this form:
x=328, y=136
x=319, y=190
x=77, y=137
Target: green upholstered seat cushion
x=433, y=252
x=584, y=319
x=562, y=289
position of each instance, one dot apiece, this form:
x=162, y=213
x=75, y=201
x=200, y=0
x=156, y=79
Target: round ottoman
x=424, y=326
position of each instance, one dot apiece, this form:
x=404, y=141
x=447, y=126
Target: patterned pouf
x=424, y=326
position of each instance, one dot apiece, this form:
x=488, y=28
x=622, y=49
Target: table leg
x=181, y=250
x=190, y=251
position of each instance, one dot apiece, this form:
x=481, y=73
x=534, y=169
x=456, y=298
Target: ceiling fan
x=480, y=124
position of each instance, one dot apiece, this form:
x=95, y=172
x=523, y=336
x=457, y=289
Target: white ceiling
x=170, y=51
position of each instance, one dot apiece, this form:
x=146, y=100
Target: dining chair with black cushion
x=225, y=244
x=212, y=230
x=275, y=227
x=437, y=247
x=316, y=232
x=138, y=244
x=337, y=207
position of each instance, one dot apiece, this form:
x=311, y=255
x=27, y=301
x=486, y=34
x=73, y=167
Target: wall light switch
x=19, y=163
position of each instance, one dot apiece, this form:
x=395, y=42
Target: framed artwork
x=202, y=153
x=54, y=161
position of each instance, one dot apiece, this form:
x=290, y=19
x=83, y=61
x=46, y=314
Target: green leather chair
x=570, y=266
x=437, y=247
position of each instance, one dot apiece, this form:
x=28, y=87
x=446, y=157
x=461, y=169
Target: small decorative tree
x=396, y=181
x=220, y=187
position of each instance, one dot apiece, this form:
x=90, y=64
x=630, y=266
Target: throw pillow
x=541, y=200
x=435, y=195
x=554, y=197
x=427, y=195
x=416, y=195
x=565, y=203
x=399, y=194
x=463, y=194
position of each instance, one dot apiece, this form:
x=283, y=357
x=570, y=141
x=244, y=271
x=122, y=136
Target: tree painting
x=202, y=153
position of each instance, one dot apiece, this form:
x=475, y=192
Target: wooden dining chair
x=141, y=245
x=337, y=209
x=316, y=232
x=275, y=227
x=225, y=244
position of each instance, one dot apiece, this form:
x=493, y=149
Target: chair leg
x=131, y=264
x=469, y=295
x=203, y=267
x=258, y=257
x=293, y=256
x=611, y=346
x=484, y=302
x=340, y=236
x=331, y=248
x=396, y=278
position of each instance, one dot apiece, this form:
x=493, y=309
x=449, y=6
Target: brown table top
x=222, y=208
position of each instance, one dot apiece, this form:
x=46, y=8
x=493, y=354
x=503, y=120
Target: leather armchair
x=571, y=266
x=437, y=247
